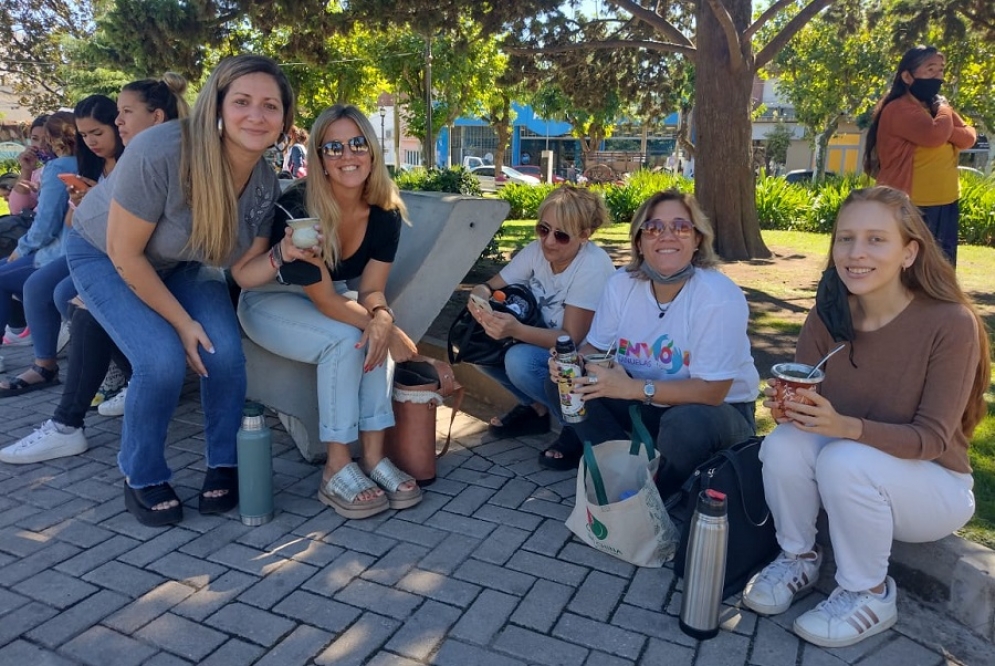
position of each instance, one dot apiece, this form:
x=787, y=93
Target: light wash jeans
x=46, y=302
x=870, y=497
x=158, y=360
x=283, y=320
x=524, y=374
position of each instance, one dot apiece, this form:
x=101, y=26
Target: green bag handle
x=591, y=464
x=640, y=435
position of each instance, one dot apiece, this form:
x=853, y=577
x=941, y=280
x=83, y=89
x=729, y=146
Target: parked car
x=488, y=183
x=536, y=171
x=803, y=176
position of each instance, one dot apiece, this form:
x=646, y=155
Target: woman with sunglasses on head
x=310, y=315
x=566, y=273
x=49, y=289
x=683, y=355
x=140, y=105
x=914, y=140
x=882, y=446
x=189, y=197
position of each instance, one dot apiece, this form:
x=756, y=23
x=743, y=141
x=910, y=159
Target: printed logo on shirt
x=662, y=352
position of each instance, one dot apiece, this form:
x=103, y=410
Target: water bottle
x=568, y=367
x=255, y=467
x=705, y=568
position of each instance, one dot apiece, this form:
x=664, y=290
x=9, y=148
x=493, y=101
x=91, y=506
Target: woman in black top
x=311, y=316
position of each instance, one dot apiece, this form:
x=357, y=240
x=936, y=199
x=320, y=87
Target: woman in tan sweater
x=882, y=447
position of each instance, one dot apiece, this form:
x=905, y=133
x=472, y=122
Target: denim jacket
x=44, y=238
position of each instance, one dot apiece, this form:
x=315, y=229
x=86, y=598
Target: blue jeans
x=944, y=222
x=686, y=435
x=287, y=323
x=158, y=360
x=40, y=308
x=524, y=373
x=13, y=275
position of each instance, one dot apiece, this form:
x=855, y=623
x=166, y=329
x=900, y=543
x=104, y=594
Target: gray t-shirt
x=146, y=183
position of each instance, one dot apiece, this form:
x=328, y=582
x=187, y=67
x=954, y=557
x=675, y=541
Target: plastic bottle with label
x=569, y=368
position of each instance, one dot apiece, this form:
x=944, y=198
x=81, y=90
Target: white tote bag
x=618, y=509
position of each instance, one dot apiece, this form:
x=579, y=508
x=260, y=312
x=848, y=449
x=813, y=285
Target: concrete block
x=447, y=234
x=972, y=593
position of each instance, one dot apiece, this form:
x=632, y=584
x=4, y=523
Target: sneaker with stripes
x=846, y=617
x=775, y=588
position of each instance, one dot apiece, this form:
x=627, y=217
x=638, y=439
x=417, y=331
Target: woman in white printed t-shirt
x=683, y=354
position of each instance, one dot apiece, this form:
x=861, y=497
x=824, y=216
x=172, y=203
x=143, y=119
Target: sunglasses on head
x=679, y=227
x=335, y=149
x=544, y=230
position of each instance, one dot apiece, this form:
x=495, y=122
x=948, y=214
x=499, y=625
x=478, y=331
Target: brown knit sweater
x=911, y=383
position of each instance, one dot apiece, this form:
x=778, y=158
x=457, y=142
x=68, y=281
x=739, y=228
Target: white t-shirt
x=702, y=336
x=580, y=285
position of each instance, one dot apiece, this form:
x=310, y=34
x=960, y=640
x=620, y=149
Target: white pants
x=870, y=497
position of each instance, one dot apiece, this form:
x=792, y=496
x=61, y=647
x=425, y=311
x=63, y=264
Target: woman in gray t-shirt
x=187, y=197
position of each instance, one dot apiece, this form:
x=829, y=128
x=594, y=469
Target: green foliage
x=524, y=199
x=780, y=204
x=454, y=179
x=977, y=209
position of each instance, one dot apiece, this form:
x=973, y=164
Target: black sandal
x=219, y=478
x=139, y=502
x=570, y=449
x=522, y=420
x=18, y=386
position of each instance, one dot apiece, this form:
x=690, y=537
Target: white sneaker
x=17, y=339
x=63, y=337
x=114, y=406
x=45, y=443
x=848, y=617
x=773, y=590
x=113, y=382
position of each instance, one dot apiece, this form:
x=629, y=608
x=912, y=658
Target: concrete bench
x=447, y=234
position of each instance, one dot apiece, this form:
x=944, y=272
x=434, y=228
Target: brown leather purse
x=420, y=386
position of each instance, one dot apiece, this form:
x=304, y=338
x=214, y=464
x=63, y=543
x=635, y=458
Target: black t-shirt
x=383, y=232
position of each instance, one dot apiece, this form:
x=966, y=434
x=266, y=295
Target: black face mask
x=925, y=90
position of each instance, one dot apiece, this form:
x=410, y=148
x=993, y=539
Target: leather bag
x=469, y=343
x=737, y=472
x=420, y=386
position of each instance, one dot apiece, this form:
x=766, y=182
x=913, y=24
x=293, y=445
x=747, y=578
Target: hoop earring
x=221, y=127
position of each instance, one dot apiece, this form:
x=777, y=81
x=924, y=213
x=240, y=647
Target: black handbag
x=469, y=343
x=737, y=472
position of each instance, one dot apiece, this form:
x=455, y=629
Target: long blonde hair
x=379, y=190
x=705, y=257
x=931, y=275
x=204, y=171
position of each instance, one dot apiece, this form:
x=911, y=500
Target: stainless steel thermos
x=255, y=467
x=705, y=570
x=568, y=365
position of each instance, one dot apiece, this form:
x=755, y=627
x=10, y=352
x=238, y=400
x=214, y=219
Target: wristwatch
x=373, y=311
x=649, y=390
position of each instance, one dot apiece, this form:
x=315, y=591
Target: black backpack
x=12, y=227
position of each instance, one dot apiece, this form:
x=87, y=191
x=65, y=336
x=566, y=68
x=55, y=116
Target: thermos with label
x=705, y=570
x=569, y=368
x=255, y=467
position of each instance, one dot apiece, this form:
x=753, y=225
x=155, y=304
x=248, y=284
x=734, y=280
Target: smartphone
x=481, y=303
x=74, y=180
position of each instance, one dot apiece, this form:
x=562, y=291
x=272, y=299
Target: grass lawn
x=782, y=290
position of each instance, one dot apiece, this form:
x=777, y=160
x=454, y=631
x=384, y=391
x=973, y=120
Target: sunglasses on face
x=333, y=150
x=544, y=230
x=679, y=227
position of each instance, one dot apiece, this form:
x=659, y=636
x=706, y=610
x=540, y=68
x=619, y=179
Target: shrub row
x=780, y=205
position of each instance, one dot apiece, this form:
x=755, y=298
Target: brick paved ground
x=483, y=572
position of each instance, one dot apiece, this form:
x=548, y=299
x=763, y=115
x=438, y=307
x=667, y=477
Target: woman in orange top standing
x=913, y=143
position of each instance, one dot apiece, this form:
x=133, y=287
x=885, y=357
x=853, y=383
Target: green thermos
x=255, y=467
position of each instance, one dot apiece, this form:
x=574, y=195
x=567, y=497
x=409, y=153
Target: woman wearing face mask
x=98, y=146
x=913, y=143
x=24, y=194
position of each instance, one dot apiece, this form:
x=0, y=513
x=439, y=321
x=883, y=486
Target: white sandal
x=340, y=493
x=390, y=478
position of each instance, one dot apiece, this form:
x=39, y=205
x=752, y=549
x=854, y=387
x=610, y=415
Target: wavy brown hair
x=705, y=257
x=931, y=275
x=204, y=169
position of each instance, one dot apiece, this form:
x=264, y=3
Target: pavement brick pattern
x=481, y=573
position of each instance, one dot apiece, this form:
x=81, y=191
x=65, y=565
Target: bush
x=781, y=205
x=454, y=179
x=524, y=199
x=977, y=210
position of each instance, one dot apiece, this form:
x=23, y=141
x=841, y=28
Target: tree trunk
x=724, y=181
x=823, y=153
